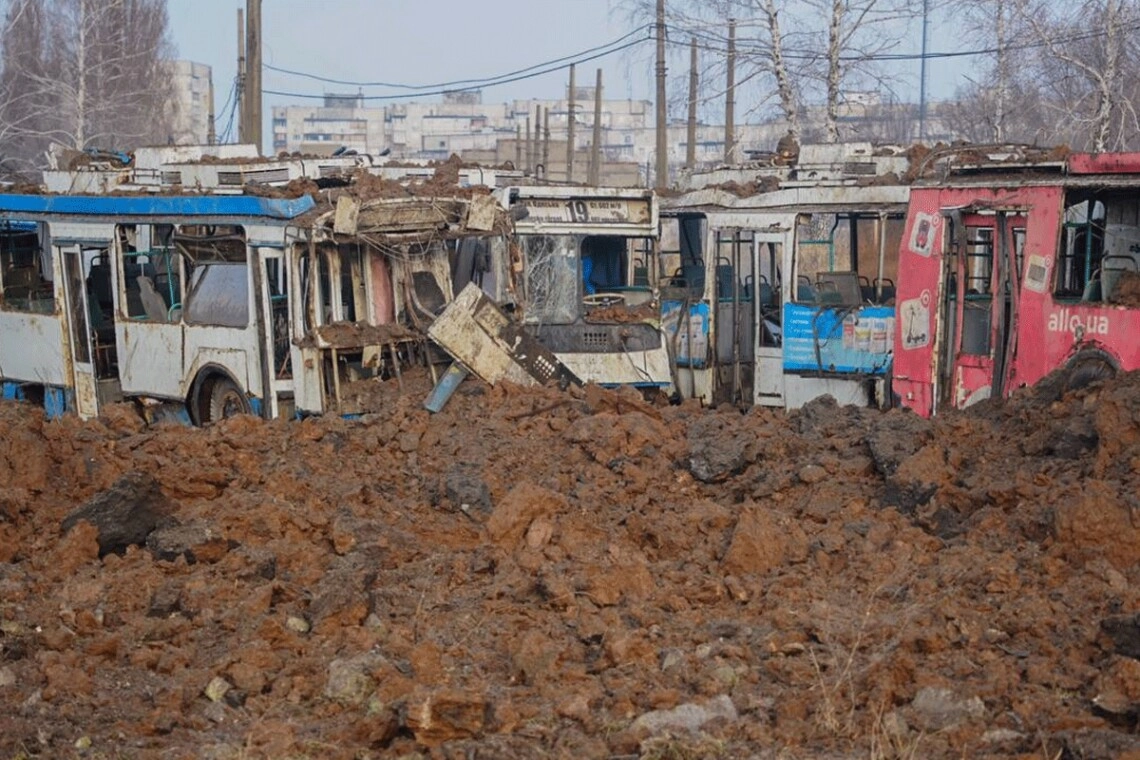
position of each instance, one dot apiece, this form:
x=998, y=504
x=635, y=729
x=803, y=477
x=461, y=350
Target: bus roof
x=161, y=206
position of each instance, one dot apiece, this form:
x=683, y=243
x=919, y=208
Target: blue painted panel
x=838, y=339
x=255, y=406
x=57, y=401
x=159, y=205
x=693, y=343
x=13, y=392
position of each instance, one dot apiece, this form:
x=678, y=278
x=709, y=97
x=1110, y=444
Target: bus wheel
x=1088, y=370
x=225, y=400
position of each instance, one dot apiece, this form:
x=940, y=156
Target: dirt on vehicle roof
x=533, y=573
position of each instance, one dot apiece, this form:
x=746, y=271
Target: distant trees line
x=82, y=74
x=1048, y=71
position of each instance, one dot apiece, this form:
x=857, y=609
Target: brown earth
x=534, y=574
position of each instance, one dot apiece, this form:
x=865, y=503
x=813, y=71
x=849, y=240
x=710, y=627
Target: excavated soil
x=534, y=574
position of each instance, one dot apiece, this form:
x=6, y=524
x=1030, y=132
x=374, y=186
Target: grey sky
x=428, y=41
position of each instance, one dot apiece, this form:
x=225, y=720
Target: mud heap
x=535, y=574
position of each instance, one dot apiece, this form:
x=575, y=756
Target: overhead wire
x=550, y=68
x=460, y=82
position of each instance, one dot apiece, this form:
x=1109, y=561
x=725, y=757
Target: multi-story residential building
x=189, y=107
x=342, y=121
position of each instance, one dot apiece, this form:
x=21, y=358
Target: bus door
x=735, y=315
x=79, y=333
x=766, y=291
x=273, y=328
x=980, y=305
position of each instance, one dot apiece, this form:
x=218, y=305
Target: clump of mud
x=533, y=573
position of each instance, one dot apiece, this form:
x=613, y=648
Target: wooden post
x=570, y=103
x=596, y=148
x=546, y=142
x=662, y=178
x=239, y=86
x=253, y=72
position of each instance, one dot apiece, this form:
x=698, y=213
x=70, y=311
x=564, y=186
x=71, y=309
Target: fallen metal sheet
x=483, y=339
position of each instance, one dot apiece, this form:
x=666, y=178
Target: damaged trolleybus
x=1016, y=263
x=785, y=293
x=588, y=286
x=215, y=305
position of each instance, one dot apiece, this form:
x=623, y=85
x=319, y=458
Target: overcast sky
x=431, y=41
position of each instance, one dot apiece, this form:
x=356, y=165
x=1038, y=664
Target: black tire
x=1089, y=370
x=224, y=400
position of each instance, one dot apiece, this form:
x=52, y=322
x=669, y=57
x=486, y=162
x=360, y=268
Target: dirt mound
x=542, y=574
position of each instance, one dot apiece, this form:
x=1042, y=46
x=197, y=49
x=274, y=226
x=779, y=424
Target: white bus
x=216, y=305
x=587, y=280
x=781, y=297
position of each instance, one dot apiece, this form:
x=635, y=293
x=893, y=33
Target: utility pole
x=730, y=98
x=922, y=75
x=211, y=133
x=662, y=178
x=253, y=72
x=529, y=149
x=596, y=148
x=691, y=135
x=239, y=85
x=518, y=147
x=570, y=128
x=546, y=142
x=537, y=138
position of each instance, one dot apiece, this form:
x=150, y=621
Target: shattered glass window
x=553, y=284
x=219, y=295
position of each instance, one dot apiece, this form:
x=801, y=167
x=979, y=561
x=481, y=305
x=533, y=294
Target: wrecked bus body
x=785, y=294
x=214, y=305
x=1016, y=264
x=586, y=284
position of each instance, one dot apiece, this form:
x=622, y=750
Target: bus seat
x=1111, y=269
x=805, y=291
x=1092, y=291
x=152, y=302
x=725, y=278
x=888, y=286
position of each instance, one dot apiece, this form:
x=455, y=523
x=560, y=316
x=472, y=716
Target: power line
x=573, y=58
x=794, y=54
x=552, y=66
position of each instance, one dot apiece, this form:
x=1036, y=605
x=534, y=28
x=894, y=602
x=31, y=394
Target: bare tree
x=858, y=34
x=1088, y=67
x=990, y=99
x=792, y=52
x=84, y=73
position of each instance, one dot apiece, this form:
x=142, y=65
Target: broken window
x=214, y=260
x=25, y=269
x=847, y=259
x=218, y=295
x=151, y=272
x=551, y=278
x=1082, y=248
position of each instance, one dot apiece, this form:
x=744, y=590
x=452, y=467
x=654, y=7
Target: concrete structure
x=343, y=121
x=505, y=133
x=189, y=107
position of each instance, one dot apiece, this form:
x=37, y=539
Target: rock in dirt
x=688, y=718
x=512, y=516
x=439, y=716
x=1124, y=633
x=716, y=449
x=937, y=708
x=194, y=542
x=125, y=514
x=465, y=489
